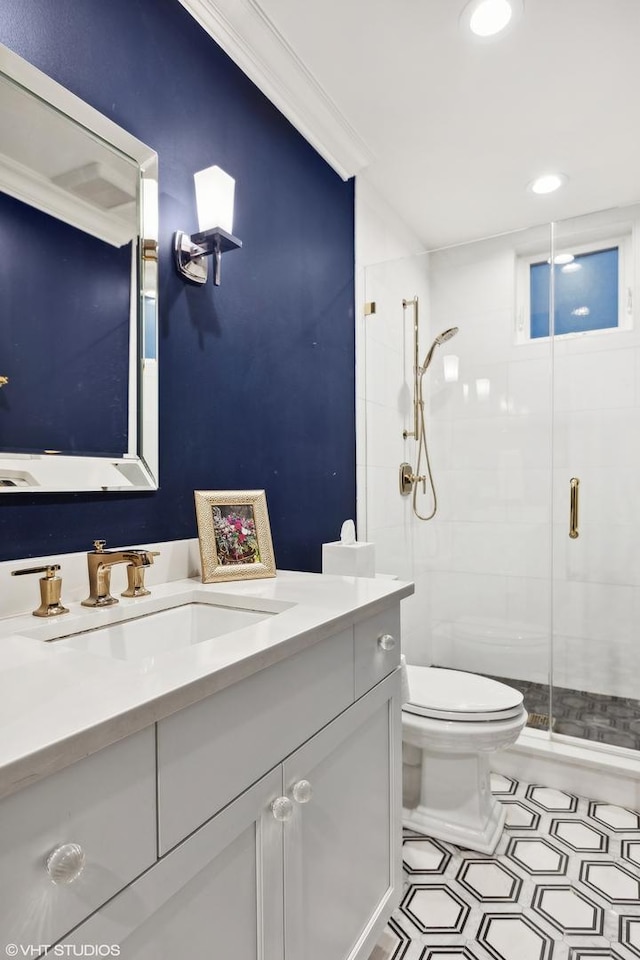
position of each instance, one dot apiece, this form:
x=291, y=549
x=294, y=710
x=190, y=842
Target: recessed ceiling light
x=486, y=18
x=548, y=183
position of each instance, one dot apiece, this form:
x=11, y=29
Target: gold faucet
x=100, y=562
x=50, y=588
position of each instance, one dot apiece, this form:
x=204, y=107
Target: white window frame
x=624, y=245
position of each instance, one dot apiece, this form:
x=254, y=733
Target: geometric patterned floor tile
x=578, y=835
x=393, y=944
x=435, y=908
x=520, y=817
x=611, y=880
x=562, y=884
x=514, y=937
x=503, y=786
x=629, y=934
x=448, y=953
x=630, y=851
x=568, y=910
x=615, y=818
x=423, y=855
x=489, y=880
x=537, y=856
x=592, y=953
x=553, y=801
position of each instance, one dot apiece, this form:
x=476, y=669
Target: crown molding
x=253, y=42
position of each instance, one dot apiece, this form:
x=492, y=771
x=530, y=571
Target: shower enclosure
x=529, y=570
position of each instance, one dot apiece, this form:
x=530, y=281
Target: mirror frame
x=137, y=468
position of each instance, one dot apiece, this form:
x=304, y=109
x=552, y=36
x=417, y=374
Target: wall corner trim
x=253, y=42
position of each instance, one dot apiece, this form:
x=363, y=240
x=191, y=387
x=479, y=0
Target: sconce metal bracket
x=191, y=252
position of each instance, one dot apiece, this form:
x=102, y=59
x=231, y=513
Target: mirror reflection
x=78, y=278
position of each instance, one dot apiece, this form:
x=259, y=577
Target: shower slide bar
x=408, y=479
x=416, y=368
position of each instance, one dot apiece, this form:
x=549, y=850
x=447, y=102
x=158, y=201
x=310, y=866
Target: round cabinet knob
x=65, y=863
x=282, y=809
x=302, y=791
x=386, y=641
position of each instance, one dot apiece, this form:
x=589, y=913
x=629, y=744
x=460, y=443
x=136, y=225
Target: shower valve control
x=408, y=478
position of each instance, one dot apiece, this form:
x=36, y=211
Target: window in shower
x=592, y=291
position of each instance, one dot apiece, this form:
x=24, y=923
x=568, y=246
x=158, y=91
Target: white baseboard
x=585, y=771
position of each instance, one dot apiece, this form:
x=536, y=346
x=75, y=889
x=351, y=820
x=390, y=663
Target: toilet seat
x=453, y=723
x=443, y=694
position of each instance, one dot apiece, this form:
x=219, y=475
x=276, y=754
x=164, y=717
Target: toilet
x=451, y=723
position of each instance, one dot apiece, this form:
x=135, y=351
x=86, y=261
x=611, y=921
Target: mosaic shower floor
x=563, y=884
x=577, y=713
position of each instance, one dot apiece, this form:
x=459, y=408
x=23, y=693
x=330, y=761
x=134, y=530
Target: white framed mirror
x=78, y=293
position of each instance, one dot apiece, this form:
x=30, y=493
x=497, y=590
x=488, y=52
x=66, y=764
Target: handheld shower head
x=439, y=340
x=446, y=335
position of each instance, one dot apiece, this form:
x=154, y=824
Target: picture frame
x=234, y=535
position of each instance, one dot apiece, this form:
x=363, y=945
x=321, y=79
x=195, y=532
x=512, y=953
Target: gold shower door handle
x=574, y=488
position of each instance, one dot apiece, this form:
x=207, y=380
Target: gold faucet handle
x=135, y=582
x=50, y=590
x=99, y=545
x=49, y=570
x=135, y=578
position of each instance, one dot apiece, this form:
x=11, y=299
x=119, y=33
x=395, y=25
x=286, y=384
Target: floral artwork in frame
x=234, y=535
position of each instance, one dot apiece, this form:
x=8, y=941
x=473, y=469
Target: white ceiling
x=450, y=130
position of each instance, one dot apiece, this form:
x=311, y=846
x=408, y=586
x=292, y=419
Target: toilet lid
x=453, y=695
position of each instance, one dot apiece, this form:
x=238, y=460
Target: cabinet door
x=218, y=894
x=342, y=845
x=104, y=807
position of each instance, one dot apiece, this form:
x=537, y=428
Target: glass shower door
x=481, y=564
x=596, y=479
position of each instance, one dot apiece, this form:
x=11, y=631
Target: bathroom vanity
x=237, y=796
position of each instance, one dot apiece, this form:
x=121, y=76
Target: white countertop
x=58, y=704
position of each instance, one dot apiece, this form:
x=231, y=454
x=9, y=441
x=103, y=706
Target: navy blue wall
x=257, y=375
x=67, y=369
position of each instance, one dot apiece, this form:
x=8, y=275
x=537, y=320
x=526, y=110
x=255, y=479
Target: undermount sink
x=162, y=631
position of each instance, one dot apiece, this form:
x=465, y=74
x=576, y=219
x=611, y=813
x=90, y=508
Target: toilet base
x=455, y=802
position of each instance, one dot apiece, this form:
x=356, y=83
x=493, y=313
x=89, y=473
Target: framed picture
x=234, y=534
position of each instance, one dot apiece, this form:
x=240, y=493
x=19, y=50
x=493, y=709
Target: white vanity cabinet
x=218, y=894
x=317, y=884
x=209, y=752
x=261, y=822
x=342, y=858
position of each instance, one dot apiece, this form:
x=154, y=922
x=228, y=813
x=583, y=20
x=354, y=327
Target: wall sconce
x=214, y=201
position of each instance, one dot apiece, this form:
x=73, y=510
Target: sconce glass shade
x=214, y=199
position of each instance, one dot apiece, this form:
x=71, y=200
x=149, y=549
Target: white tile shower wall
x=483, y=566
x=494, y=477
